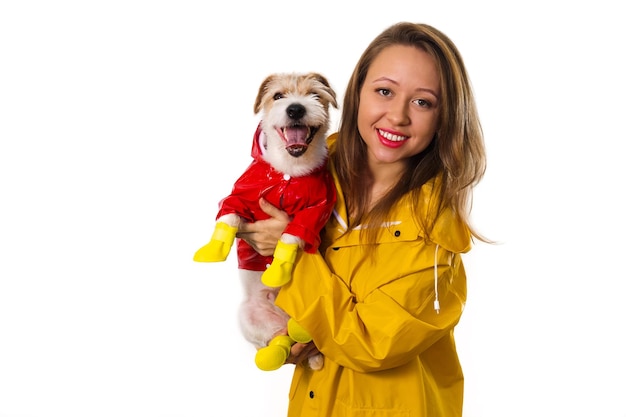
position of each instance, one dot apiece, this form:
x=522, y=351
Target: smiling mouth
x=297, y=138
x=391, y=137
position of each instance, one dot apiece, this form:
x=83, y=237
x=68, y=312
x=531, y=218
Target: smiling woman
x=398, y=112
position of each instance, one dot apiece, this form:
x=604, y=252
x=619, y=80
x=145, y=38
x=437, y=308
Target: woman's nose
x=398, y=113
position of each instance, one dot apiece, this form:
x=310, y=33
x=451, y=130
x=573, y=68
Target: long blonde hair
x=457, y=151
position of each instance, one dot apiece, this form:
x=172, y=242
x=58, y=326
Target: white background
x=122, y=124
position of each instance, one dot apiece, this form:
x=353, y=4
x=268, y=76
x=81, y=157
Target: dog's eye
x=278, y=96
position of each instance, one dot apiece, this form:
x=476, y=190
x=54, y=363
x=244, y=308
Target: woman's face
x=399, y=105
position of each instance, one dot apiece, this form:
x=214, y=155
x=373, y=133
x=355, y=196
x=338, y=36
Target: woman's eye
x=422, y=103
x=384, y=92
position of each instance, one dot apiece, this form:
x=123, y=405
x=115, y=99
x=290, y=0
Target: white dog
x=289, y=171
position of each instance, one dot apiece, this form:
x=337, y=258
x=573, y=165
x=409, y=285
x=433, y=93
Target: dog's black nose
x=296, y=111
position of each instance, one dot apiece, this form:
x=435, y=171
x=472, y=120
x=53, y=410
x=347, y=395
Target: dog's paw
x=214, y=251
x=279, y=271
x=274, y=355
x=297, y=332
x=316, y=362
x=218, y=248
x=277, y=274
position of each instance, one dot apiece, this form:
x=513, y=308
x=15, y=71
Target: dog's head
x=295, y=119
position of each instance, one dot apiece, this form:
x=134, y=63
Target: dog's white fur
x=311, y=91
x=259, y=317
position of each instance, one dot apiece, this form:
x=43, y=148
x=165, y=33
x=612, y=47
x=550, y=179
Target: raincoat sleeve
x=395, y=319
x=388, y=327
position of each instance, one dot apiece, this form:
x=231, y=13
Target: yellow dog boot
x=218, y=248
x=274, y=355
x=297, y=332
x=279, y=271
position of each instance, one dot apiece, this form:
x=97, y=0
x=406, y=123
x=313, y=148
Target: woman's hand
x=263, y=235
x=301, y=351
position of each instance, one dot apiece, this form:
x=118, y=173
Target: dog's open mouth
x=297, y=138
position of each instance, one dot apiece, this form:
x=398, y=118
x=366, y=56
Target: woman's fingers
x=273, y=211
x=302, y=351
x=263, y=235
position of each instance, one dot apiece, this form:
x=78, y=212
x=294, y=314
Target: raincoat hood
x=257, y=148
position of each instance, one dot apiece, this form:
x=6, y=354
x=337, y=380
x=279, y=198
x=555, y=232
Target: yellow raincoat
x=388, y=352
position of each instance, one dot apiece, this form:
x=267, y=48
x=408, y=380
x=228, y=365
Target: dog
x=288, y=170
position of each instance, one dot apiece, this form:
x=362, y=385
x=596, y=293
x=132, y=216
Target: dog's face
x=295, y=119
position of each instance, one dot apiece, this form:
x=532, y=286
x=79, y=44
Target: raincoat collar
x=448, y=231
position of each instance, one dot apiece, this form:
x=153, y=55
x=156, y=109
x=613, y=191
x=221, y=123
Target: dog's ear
x=332, y=96
x=262, y=91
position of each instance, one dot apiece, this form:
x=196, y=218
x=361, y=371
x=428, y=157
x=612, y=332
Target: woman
x=382, y=298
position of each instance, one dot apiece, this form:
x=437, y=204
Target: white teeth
x=393, y=138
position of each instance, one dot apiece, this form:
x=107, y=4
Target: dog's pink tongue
x=296, y=135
